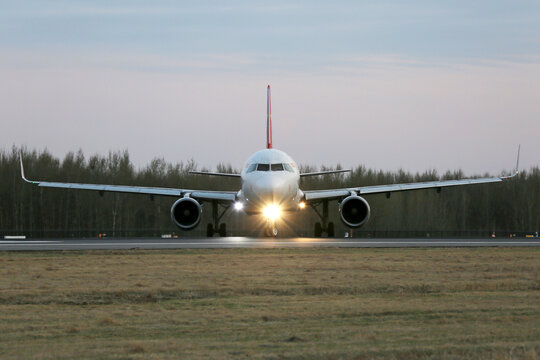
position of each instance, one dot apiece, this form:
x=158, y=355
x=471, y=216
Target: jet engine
x=186, y=213
x=354, y=211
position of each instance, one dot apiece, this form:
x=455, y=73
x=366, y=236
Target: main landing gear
x=324, y=226
x=216, y=227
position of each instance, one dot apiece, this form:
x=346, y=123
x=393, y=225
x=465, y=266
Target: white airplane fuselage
x=270, y=177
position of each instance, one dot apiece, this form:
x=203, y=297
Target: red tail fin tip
x=268, y=120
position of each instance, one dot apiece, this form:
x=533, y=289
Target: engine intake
x=354, y=211
x=186, y=213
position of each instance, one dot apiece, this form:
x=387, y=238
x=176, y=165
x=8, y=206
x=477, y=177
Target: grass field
x=471, y=303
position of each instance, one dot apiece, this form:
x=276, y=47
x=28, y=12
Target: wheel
x=222, y=230
x=209, y=230
x=270, y=230
x=330, y=229
x=318, y=229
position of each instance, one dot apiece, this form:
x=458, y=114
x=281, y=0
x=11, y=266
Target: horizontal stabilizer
x=324, y=172
x=214, y=174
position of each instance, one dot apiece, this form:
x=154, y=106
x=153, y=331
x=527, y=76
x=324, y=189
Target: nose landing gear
x=270, y=230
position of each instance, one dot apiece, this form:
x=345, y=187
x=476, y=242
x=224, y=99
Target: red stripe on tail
x=268, y=120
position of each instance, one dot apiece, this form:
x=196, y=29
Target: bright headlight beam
x=238, y=206
x=272, y=212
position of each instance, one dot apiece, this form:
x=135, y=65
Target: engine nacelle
x=186, y=213
x=354, y=211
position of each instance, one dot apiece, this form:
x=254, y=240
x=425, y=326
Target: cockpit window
x=251, y=168
x=270, y=167
x=288, y=167
x=277, y=167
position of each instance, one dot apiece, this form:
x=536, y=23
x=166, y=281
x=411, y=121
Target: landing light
x=238, y=206
x=272, y=211
x=301, y=205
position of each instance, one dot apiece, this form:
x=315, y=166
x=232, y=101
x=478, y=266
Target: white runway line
x=29, y=242
x=271, y=243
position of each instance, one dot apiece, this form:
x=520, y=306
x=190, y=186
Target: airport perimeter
x=269, y=303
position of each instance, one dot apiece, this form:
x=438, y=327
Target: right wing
x=197, y=194
x=311, y=195
x=331, y=194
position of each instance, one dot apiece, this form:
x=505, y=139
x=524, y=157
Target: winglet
x=22, y=171
x=517, y=162
x=516, y=169
x=268, y=119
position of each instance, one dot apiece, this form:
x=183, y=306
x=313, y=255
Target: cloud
x=311, y=31
x=70, y=9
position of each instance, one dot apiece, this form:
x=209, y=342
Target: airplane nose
x=271, y=189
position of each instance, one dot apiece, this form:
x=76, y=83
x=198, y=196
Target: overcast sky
x=387, y=84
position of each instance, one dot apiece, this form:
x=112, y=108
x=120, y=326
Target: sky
x=413, y=85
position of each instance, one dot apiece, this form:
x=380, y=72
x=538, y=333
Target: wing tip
x=22, y=167
x=23, y=176
x=517, y=161
x=515, y=172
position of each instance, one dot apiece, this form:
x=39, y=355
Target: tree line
x=510, y=207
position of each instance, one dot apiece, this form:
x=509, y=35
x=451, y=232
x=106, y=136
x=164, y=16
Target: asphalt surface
x=245, y=242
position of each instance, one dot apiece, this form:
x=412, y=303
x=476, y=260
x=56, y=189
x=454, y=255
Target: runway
x=246, y=242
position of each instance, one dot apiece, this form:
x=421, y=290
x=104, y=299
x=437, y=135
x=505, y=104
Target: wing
x=388, y=189
x=314, y=195
x=202, y=195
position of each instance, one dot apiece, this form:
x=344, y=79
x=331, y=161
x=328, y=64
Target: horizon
x=223, y=164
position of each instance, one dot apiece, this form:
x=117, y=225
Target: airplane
x=270, y=188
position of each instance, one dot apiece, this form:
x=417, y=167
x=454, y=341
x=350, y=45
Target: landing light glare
x=272, y=211
x=238, y=206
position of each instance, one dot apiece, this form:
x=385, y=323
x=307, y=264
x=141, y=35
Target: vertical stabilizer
x=268, y=120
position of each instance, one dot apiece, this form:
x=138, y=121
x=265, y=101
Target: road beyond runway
x=249, y=242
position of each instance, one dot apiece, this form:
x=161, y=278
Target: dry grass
x=473, y=303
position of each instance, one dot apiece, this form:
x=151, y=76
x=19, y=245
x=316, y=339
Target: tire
x=209, y=230
x=330, y=229
x=223, y=230
x=318, y=229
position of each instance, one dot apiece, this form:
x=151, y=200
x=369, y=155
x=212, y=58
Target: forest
x=507, y=208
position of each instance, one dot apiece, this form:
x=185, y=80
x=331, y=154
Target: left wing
x=197, y=194
x=314, y=195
